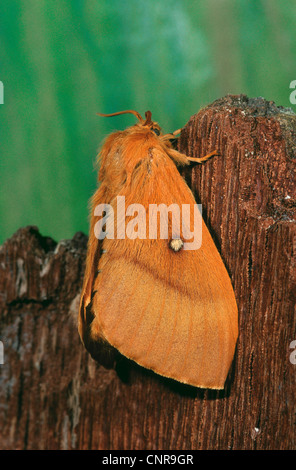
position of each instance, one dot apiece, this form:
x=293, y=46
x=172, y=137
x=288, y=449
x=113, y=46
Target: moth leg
x=171, y=135
x=203, y=159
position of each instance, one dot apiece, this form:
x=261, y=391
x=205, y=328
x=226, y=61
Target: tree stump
x=53, y=395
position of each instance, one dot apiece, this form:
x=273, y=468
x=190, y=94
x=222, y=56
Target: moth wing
x=172, y=312
x=101, y=349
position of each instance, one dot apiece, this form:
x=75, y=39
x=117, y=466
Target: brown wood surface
x=54, y=396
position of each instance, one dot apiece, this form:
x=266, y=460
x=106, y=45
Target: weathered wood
x=54, y=396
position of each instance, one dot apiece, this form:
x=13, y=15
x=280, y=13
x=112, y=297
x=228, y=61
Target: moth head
x=144, y=123
x=117, y=157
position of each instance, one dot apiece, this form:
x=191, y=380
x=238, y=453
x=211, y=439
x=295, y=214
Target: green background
x=63, y=61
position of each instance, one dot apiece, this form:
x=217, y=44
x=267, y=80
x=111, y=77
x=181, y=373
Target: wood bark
x=53, y=395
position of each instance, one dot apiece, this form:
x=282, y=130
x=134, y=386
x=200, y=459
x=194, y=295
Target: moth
x=167, y=308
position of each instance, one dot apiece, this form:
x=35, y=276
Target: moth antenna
x=128, y=111
x=148, y=115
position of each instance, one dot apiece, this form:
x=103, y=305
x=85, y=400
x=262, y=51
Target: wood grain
x=54, y=396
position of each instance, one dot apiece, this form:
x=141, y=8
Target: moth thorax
x=176, y=244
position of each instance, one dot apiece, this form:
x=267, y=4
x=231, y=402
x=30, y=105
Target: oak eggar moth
x=169, y=309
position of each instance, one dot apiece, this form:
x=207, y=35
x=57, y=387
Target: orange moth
x=169, y=309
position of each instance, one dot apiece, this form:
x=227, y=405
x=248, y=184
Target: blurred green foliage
x=63, y=61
